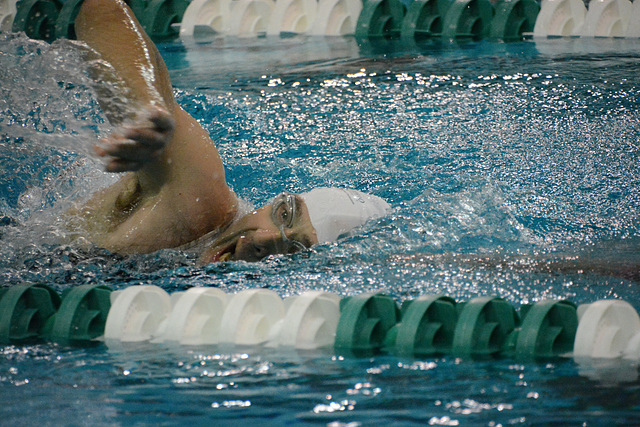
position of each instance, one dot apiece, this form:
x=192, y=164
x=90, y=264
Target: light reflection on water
x=148, y=384
x=511, y=169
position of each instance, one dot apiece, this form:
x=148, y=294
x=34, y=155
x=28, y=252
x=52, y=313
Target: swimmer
x=173, y=192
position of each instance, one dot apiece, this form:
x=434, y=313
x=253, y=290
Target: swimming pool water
x=512, y=170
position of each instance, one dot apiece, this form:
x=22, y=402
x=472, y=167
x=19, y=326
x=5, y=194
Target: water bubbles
x=232, y=404
x=443, y=421
x=344, y=405
x=493, y=163
x=509, y=174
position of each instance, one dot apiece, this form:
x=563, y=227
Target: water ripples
x=511, y=169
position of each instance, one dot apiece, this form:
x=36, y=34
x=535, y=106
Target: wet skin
x=173, y=188
x=271, y=229
x=173, y=191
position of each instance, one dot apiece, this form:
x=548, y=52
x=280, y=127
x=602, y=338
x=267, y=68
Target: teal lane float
x=37, y=312
x=367, y=324
x=446, y=20
x=53, y=19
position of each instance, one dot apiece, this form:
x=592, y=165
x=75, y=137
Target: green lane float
x=467, y=20
x=483, y=326
x=426, y=329
x=380, y=19
x=37, y=18
x=81, y=316
x=137, y=7
x=548, y=330
x=424, y=19
x=24, y=311
x=65, y=21
x=160, y=16
x=364, y=322
x=513, y=19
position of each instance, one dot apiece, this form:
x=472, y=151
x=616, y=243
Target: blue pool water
x=512, y=170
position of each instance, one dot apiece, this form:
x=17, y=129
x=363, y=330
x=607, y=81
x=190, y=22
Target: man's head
x=293, y=222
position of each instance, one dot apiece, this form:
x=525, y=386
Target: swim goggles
x=283, y=214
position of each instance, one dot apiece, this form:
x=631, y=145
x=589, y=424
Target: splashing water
x=512, y=170
x=503, y=168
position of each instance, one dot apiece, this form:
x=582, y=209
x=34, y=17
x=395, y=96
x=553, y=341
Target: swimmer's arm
x=111, y=28
x=174, y=160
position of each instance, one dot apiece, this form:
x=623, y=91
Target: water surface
x=512, y=170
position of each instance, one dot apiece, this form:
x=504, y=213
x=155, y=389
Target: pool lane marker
x=366, y=324
x=374, y=20
x=24, y=311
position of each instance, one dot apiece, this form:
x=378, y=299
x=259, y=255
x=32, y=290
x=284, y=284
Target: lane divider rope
x=460, y=20
x=366, y=324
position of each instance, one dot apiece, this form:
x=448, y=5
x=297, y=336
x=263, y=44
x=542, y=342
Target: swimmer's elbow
x=91, y=7
x=95, y=14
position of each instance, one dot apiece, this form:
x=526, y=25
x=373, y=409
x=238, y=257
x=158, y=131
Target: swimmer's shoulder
x=198, y=245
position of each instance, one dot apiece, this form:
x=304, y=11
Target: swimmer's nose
x=259, y=245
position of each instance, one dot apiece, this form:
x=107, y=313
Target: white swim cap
x=336, y=211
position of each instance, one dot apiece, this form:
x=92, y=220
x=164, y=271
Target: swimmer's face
x=281, y=227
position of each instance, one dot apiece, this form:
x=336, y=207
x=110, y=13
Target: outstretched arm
x=177, y=185
x=111, y=29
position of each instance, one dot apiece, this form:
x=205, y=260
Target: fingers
x=145, y=137
x=161, y=119
x=119, y=165
x=155, y=125
x=134, y=145
x=127, y=149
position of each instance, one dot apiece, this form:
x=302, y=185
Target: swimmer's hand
x=134, y=145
